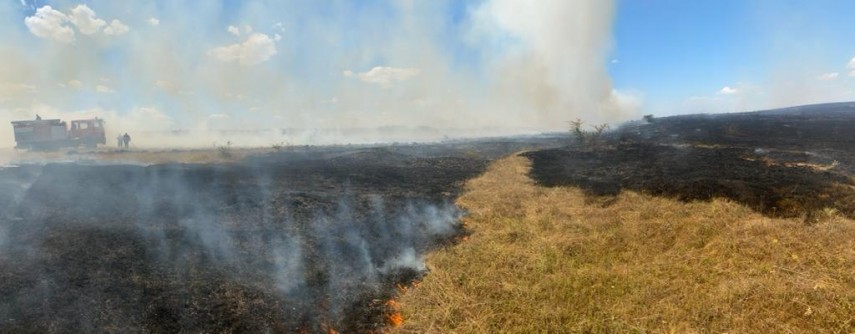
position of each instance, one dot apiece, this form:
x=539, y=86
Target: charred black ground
x=302, y=241
x=318, y=238
x=785, y=163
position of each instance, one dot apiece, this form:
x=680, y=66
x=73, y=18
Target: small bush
x=226, y=150
x=278, y=147
x=589, y=138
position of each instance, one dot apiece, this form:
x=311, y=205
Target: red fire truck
x=50, y=134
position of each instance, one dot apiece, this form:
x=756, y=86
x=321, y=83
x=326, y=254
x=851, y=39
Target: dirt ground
x=311, y=240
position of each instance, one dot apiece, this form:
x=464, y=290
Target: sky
x=729, y=55
x=262, y=72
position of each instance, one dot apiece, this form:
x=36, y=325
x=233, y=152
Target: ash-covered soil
x=307, y=241
x=795, y=162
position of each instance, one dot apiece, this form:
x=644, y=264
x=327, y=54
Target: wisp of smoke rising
x=258, y=73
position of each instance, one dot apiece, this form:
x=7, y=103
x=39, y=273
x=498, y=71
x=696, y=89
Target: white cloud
x=76, y=84
x=256, y=49
x=116, y=28
x=237, y=31
x=385, y=76
x=104, y=89
x=727, y=90
x=85, y=19
x=851, y=64
x=852, y=74
x=153, y=21
x=233, y=30
x=828, y=76
x=50, y=23
x=347, y=73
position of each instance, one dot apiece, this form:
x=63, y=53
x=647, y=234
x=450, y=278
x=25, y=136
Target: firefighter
x=127, y=140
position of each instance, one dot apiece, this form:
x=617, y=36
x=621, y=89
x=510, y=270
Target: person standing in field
x=126, y=139
x=120, y=141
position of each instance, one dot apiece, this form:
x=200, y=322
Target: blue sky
x=478, y=66
x=672, y=51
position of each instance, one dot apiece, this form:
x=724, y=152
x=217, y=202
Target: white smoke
x=557, y=68
x=321, y=67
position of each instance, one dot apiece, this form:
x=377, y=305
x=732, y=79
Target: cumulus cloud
x=104, y=89
x=76, y=84
x=828, y=76
x=153, y=21
x=50, y=23
x=384, y=76
x=256, y=49
x=727, y=90
x=85, y=19
x=53, y=24
x=233, y=30
x=116, y=28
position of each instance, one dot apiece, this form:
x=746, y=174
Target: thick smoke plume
x=263, y=72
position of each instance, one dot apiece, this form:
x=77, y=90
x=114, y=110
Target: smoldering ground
x=280, y=243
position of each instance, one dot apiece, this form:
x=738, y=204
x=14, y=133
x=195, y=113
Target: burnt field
x=795, y=162
x=309, y=241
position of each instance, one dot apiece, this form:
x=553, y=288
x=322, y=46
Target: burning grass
x=549, y=260
x=289, y=242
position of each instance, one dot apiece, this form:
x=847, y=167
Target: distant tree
x=576, y=130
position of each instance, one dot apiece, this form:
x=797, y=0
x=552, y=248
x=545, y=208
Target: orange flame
x=395, y=318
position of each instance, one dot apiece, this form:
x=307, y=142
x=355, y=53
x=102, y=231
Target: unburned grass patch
x=543, y=260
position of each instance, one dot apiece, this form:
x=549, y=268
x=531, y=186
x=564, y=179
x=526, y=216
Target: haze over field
x=319, y=69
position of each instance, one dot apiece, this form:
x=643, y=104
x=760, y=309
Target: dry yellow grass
x=542, y=260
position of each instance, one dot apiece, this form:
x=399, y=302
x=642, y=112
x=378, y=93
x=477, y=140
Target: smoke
x=308, y=72
x=300, y=239
x=556, y=67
